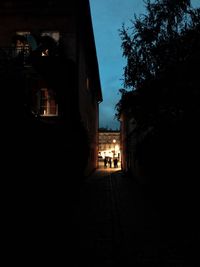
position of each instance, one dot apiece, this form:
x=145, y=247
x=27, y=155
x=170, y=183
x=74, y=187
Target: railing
x=19, y=55
x=24, y=56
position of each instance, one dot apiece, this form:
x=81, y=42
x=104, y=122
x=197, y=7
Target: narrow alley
x=120, y=225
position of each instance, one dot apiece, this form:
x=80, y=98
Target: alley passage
x=120, y=226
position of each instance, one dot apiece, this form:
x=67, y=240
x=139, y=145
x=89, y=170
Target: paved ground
x=121, y=225
x=111, y=221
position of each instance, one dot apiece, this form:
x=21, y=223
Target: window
x=48, y=105
x=28, y=39
x=21, y=46
x=48, y=45
x=55, y=35
x=23, y=43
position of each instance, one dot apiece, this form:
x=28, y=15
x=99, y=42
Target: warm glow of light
x=109, y=153
x=106, y=153
x=45, y=53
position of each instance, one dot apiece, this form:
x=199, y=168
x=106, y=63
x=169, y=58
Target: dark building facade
x=130, y=137
x=49, y=72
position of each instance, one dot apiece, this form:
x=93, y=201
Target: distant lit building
x=109, y=144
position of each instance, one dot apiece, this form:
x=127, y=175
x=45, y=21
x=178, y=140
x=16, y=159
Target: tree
x=153, y=44
x=162, y=40
x=161, y=84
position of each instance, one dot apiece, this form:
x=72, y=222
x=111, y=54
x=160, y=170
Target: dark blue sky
x=107, y=17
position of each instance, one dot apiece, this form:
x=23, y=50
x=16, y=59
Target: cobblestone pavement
x=120, y=225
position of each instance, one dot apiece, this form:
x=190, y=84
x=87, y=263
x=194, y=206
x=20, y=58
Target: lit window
x=28, y=38
x=20, y=44
x=23, y=43
x=48, y=105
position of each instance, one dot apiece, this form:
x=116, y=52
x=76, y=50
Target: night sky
x=108, y=17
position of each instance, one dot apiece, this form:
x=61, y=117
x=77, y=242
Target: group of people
x=108, y=162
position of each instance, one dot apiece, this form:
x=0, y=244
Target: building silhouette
x=49, y=69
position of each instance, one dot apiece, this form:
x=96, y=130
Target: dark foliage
x=162, y=71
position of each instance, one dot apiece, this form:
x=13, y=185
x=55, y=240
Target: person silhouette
x=110, y=162
x=105, y=162
x=115, y=163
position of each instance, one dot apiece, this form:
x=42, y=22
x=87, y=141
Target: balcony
x=24, y=57
x=18, y=56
